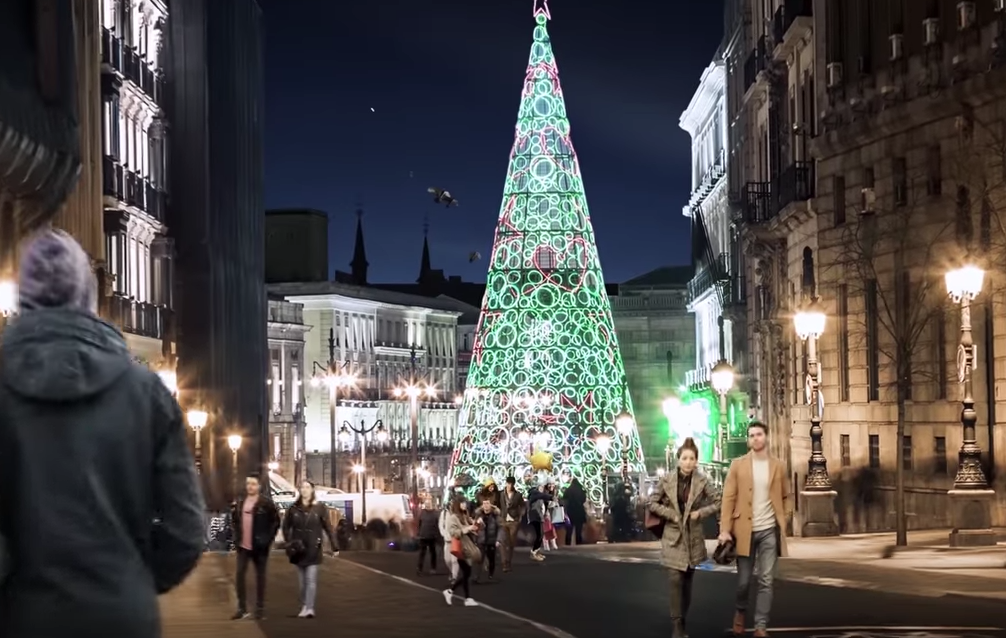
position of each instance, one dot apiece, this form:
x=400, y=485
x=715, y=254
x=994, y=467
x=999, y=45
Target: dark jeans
x=536, y=525
x=424, y=545
x=761, y=564
x=575, y=528
x=259, y=560
x=489, y=558
x=463, y=578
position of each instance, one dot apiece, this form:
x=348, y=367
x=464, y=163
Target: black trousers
x=489, y=556
x=463, y=578
x=424, y=545
x=681, y=593
x=259, y=560
x=574, y=528
x=536, y=525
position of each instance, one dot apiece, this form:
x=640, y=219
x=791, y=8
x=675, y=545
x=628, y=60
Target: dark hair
x=300, y=497
x=688, y=444
x=458, y=507
x=511, y=480
x=758, y=424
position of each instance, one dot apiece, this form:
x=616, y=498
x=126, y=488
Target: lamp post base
x=971, y=518
x=817, y=514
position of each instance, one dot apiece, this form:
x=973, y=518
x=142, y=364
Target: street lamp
x=625, y=424
x=170, y=380
x=809, y=324
x=334, y=376
x=722, y=379
x=8, y=298
x=197, y=420
x=347, y=433
x=971, y=498
x=413, y=391
x=602, y=443
x=234, y=443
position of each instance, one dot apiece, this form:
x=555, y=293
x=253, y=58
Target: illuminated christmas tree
x=546, y=376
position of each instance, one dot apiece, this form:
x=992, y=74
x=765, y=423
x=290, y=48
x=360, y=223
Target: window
x=875, y=451
x=869, y=181
x=940, y=455
x=899, y=176
x=872, y=343
x=906, y=453
x=846, y=451
x=843, y=342
x=838, y=199
x=940, y=353
x=902, y=314
x=934, y=171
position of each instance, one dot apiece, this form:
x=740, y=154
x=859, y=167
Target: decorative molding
x=712, y=87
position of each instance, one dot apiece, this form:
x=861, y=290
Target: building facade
x=286, y=386
x=296, y=245
x=214, y=89
x=137, y=278
x=386, y=340
x=656, y=337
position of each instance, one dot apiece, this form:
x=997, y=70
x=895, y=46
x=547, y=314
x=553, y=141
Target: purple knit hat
x=55, y=272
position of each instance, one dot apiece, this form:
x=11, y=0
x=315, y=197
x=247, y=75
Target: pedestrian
x=305, y=526
x=491, y=491
x=683, y=497
x=427, y=534
x=460, y=528
x=753, y=515
x=512, y=507
x=537, y=506
x=100, y=506
x=575, y=499
x=489, y=520
x=554, y=518
x=450, y=561
x=255, y=521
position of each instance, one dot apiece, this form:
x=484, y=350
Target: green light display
x=546, y=372
x=696, y=414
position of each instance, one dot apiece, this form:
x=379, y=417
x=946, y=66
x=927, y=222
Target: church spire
x=425, y=269
x=359, y=264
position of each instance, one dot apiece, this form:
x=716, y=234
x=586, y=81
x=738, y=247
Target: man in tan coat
x=753, y=515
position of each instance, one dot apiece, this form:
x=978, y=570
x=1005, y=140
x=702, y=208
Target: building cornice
x=711, y=87
x=341, y=302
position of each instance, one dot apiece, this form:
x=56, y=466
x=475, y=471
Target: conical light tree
x=546, y=377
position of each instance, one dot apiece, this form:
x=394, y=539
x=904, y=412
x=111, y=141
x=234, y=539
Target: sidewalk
x=201, y=607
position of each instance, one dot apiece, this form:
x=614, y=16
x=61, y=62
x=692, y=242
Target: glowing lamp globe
x=382, y=434
x=624, y=423
x=965, y=282
x=722, y=377
x=809, y=322
x=234, y=442
x=359, y=469
x=345, y=435
x=197, y=419
x=603, y=444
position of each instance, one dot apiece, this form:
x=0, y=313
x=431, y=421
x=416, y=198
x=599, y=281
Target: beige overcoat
x=737, y=509
x=682, y=545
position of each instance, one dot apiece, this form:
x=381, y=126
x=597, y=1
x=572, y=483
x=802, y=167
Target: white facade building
x=384, y=339
x=286, y=386
x=134, y=170
x=713, y=238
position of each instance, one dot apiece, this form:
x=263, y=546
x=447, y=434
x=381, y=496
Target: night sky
x=443, y=78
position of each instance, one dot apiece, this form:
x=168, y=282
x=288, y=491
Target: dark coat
x=429, y=525
x=512, y=505
x=309, y=525
x=575, y=499
x=491, y=522
x=537, y=505
x=99, y=500
x=265, y=524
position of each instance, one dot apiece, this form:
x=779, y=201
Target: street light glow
x=722, y=378
x=234, y=442
x=273, y=466
x=625, y=423
x=345, y=435
x=169, y=379
x=414, y=392
x=809, y=322
x=965, y=282
x=603, y=443
x=359, y=469
x=382, y=434
x=8, y=298
x=197, y=419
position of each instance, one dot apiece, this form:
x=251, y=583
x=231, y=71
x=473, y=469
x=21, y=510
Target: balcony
x=756, y=202
x=755, y=64
x=137, y=317
x=795, y=184
x=793, y=21
x=131, y=65
x=130, y=188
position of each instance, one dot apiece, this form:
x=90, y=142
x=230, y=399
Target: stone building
x=868, y=160
x=656, y=337
x=285, y=387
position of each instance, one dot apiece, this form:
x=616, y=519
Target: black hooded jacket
x=99, y=501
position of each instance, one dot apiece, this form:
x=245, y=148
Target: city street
x=586, y=594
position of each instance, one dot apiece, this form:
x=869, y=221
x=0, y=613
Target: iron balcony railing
x=137, y=317
x=756, y=202
x=755, y=63
x=795, y=184
x=131, y=188
x=132, y=66
x=786, y=14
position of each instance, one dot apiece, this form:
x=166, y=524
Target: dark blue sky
x=443, y=78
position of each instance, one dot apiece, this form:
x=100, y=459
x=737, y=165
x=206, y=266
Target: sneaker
x=240, y=615
x=470, y=603
x=309, y=613
x=303, y=612
x=448, y=596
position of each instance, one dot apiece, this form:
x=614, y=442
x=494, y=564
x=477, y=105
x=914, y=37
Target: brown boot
x=760, y=633
x=738, y=627
x=678, y=629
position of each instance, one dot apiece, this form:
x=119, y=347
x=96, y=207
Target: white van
x=390, y=508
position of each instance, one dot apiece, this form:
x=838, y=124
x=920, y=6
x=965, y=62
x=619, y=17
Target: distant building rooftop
x=663, y=277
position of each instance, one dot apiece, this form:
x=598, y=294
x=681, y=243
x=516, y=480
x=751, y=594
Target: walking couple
x=752, y=516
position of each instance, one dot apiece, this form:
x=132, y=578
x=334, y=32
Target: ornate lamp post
x=625, y=423
x=602, y=442
x=414, y=392
x=234, y=443
x=971, y=498
x=333, y=376
x=819, y=515
x=722, y=379
x=346, y=434
x=197, y=420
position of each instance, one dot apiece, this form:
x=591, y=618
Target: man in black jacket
x=512, y=508
x=99, y=501
x=254, y=521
